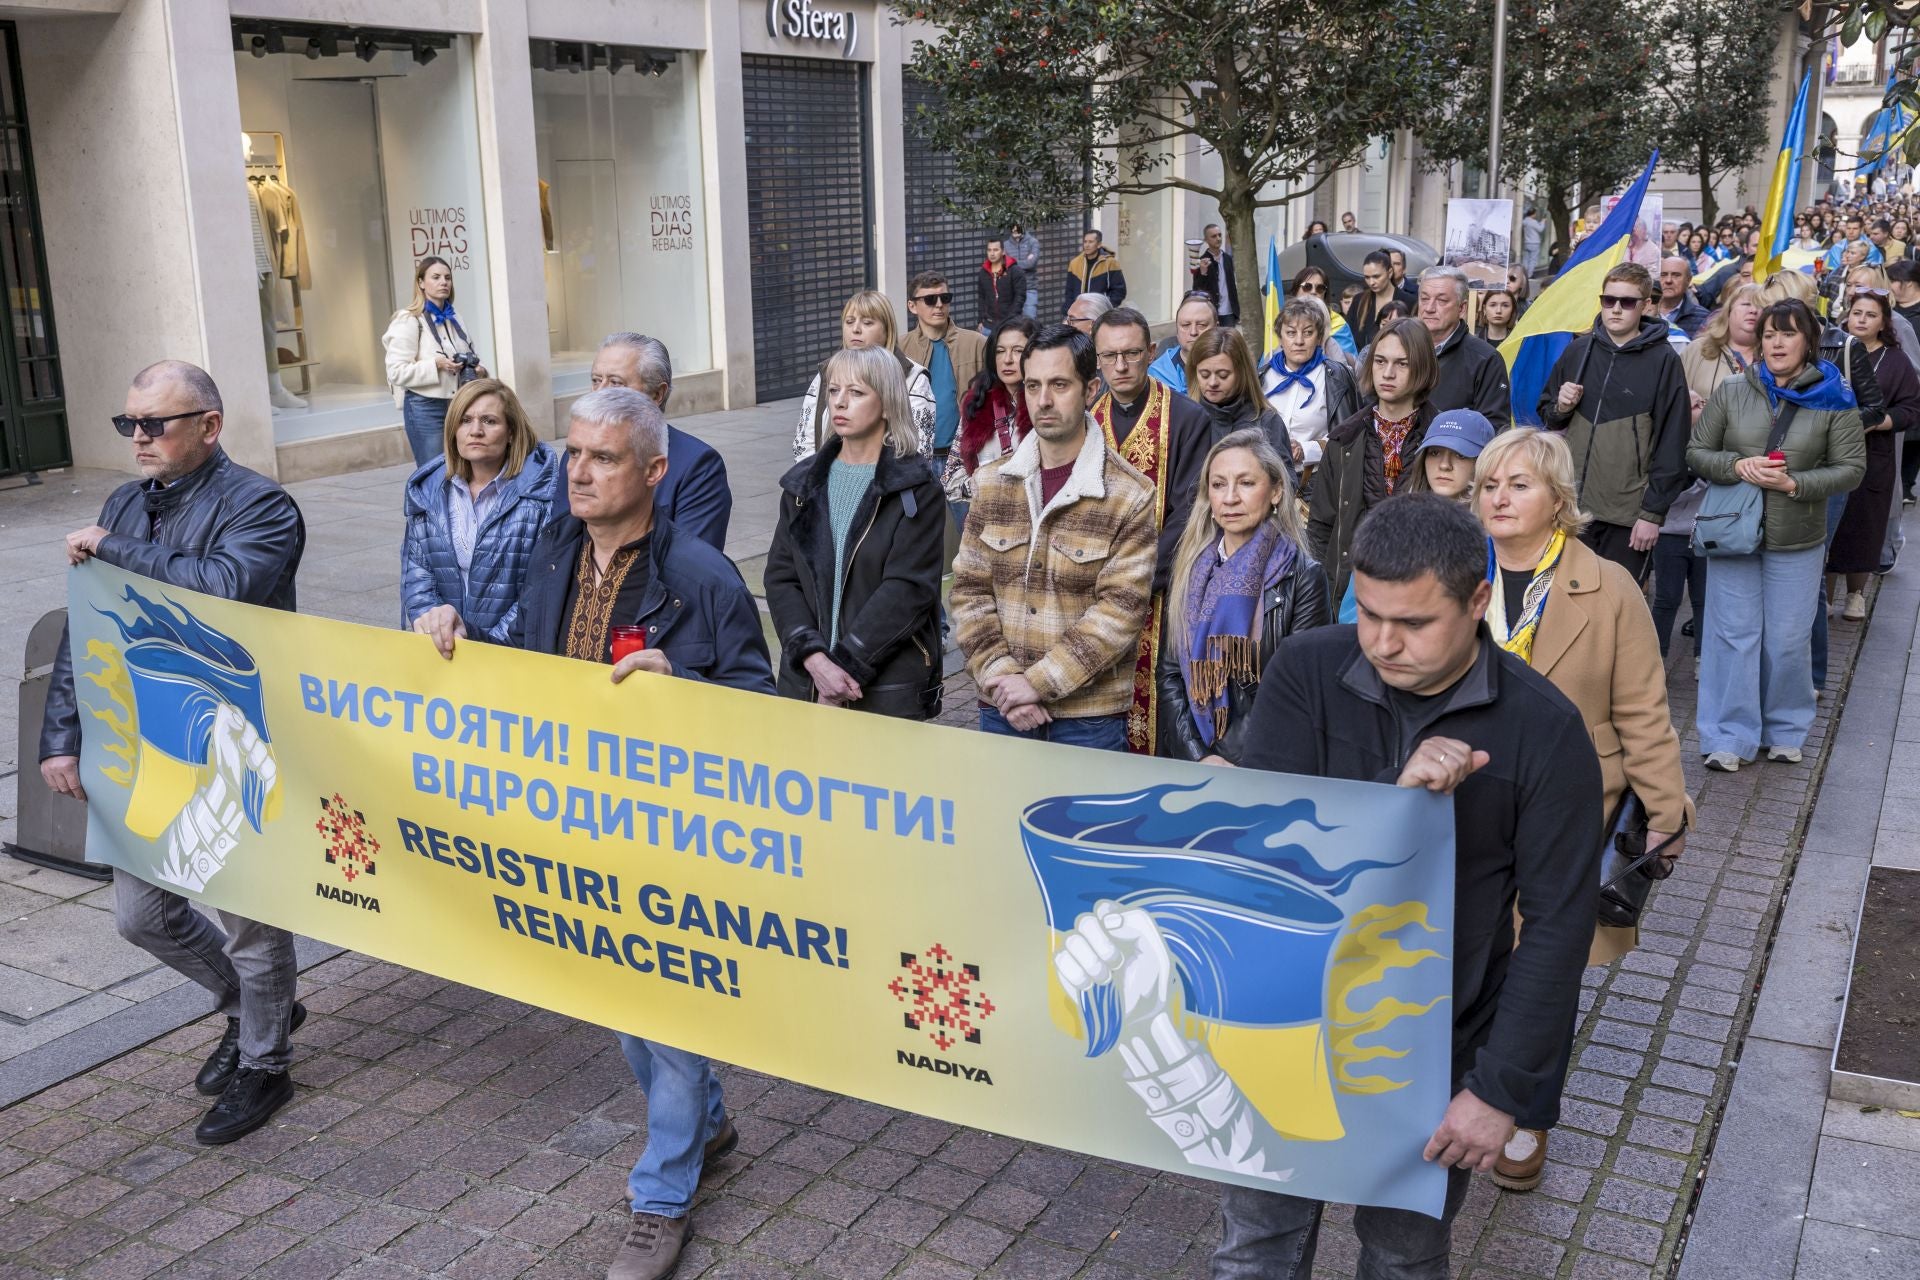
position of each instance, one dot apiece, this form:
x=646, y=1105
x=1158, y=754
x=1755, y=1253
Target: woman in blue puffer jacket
x=473, y=513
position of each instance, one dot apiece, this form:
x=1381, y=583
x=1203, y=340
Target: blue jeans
x=426, y=422
x=684, y=1112
x=1678, y=572
x=1756, y=660
x=1032, y=307
x=1102, y=733
x=1266, y=1235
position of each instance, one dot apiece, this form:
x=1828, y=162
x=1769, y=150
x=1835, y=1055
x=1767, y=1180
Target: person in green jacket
x=1756, y=664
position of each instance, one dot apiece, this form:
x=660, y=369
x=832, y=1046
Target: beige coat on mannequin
x=1596, y=643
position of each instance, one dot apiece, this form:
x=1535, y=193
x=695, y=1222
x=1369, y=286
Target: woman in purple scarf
x=1242, y=581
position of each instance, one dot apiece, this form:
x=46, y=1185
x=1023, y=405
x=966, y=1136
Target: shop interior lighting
x=424, y=53
x=276, y=42
x=365, y=49
x=576, y=56
x=316, y=40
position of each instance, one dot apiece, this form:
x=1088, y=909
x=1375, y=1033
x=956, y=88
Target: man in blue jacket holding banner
x=605, y=577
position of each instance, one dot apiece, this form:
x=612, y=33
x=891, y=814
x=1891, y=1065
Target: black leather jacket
x=889, y=603
x=229, y=532
x=1298, y=602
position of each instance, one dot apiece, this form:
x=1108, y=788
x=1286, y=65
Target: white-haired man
x=612, y=562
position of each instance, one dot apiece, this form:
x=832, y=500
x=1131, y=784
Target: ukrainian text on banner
x=1240, y=975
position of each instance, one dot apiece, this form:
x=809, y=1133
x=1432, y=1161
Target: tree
x=1577, y=102
x=1052, y=105
x=1714, y=71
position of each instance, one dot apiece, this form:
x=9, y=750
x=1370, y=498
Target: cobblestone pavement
x=440, y=1130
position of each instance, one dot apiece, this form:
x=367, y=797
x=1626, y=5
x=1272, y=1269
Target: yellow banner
x=1239, y=975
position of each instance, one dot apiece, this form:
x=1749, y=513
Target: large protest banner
x=1240, y=975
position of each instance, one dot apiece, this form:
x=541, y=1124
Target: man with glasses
x=694, y=494
x=951, y=355
x=1471, y=375
x=1620, y=395
x=1086, y=309
x=1096, y=270
x=1164, y=436
x=198, y=520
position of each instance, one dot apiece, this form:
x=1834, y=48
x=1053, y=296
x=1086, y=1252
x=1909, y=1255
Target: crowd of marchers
x=1323, y=550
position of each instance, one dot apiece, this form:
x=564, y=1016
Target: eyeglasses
x=1861, y=290
x=1310, y=286
x=151, y=427
x=1133, y=355
x=935, y=299
x=1613, y=300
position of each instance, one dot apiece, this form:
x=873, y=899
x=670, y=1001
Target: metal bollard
x=52, y=828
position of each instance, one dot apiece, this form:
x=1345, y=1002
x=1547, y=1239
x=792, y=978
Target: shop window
x=624, y=221
x=362, y=158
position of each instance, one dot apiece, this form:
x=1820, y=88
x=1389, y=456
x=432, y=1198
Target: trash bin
x=51, y=829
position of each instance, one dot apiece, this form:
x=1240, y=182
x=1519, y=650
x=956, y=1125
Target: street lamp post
x=1499, y=85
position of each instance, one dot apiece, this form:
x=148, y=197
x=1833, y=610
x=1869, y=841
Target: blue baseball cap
x=1464, y=431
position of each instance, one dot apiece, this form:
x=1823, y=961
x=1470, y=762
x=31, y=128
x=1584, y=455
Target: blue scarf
x=439, y=314
x=1831, y=392
x=1224, y=613
x=1302, y=375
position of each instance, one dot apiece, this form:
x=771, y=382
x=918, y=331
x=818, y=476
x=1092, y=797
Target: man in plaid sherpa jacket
x=1055, y=571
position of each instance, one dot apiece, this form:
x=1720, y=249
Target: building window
x=623, y=219
x=362, y=157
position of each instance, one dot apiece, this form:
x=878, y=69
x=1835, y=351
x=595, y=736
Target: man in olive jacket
x=1621, y=397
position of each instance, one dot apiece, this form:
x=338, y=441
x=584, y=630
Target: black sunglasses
x=152, y=427
x=1613, y=300
x=935, y=299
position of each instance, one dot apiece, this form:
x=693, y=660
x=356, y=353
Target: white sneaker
x=1784, y=755
x=1724, y=762
x=1856, y=610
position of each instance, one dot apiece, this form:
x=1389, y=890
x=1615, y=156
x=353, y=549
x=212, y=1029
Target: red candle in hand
x=626, y=640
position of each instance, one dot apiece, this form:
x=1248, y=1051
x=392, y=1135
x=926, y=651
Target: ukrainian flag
x=1270, y=301
x=1566, y=307
x=1776, y=225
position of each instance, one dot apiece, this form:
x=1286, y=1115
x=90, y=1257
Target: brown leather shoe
x=720, y=1145
x=1523, y=1163
x=651, y=1249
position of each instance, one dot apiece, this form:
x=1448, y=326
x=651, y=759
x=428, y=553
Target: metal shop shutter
x=809, y=209
x=940, y=240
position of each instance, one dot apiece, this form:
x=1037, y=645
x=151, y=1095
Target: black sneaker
x=248, y=1103
x=217, y=1072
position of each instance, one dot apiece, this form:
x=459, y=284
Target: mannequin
x=264, y=275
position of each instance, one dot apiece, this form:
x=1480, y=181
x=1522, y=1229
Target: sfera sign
x=799, y=20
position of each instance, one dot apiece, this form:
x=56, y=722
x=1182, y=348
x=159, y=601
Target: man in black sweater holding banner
x=1417, y=694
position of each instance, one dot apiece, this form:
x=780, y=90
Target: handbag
x=1731, y=521
x=1628, y=869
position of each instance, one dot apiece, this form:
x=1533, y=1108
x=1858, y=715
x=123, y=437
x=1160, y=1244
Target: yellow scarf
x=1517, y=637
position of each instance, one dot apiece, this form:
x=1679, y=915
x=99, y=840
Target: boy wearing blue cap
x=1443, y=463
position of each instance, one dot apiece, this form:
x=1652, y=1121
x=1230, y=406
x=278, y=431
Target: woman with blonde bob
x=853, y=575
x=1581, y=622
x=1242, y=582
x=474, y=512
x=866, y=321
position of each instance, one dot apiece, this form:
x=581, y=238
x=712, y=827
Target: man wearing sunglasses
x=1621, y=397
x=951, y=355
x=198, y=520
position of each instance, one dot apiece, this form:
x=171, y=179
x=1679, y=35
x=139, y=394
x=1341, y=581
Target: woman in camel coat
x=1581, y=622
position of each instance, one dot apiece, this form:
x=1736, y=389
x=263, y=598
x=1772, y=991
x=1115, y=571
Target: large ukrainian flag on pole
x=1776, y=224
x=1568, y=305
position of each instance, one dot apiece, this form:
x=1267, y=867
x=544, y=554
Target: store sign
x=440, y=233
x=671, y=222
x=799, y=20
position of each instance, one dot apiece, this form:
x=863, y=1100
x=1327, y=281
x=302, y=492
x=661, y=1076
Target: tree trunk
x=1708, y=209
x=1249, y=262
x=1560, y=214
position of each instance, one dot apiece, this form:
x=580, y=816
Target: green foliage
x=1714, y=87
x=1579, y=113
x=1052, y=103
